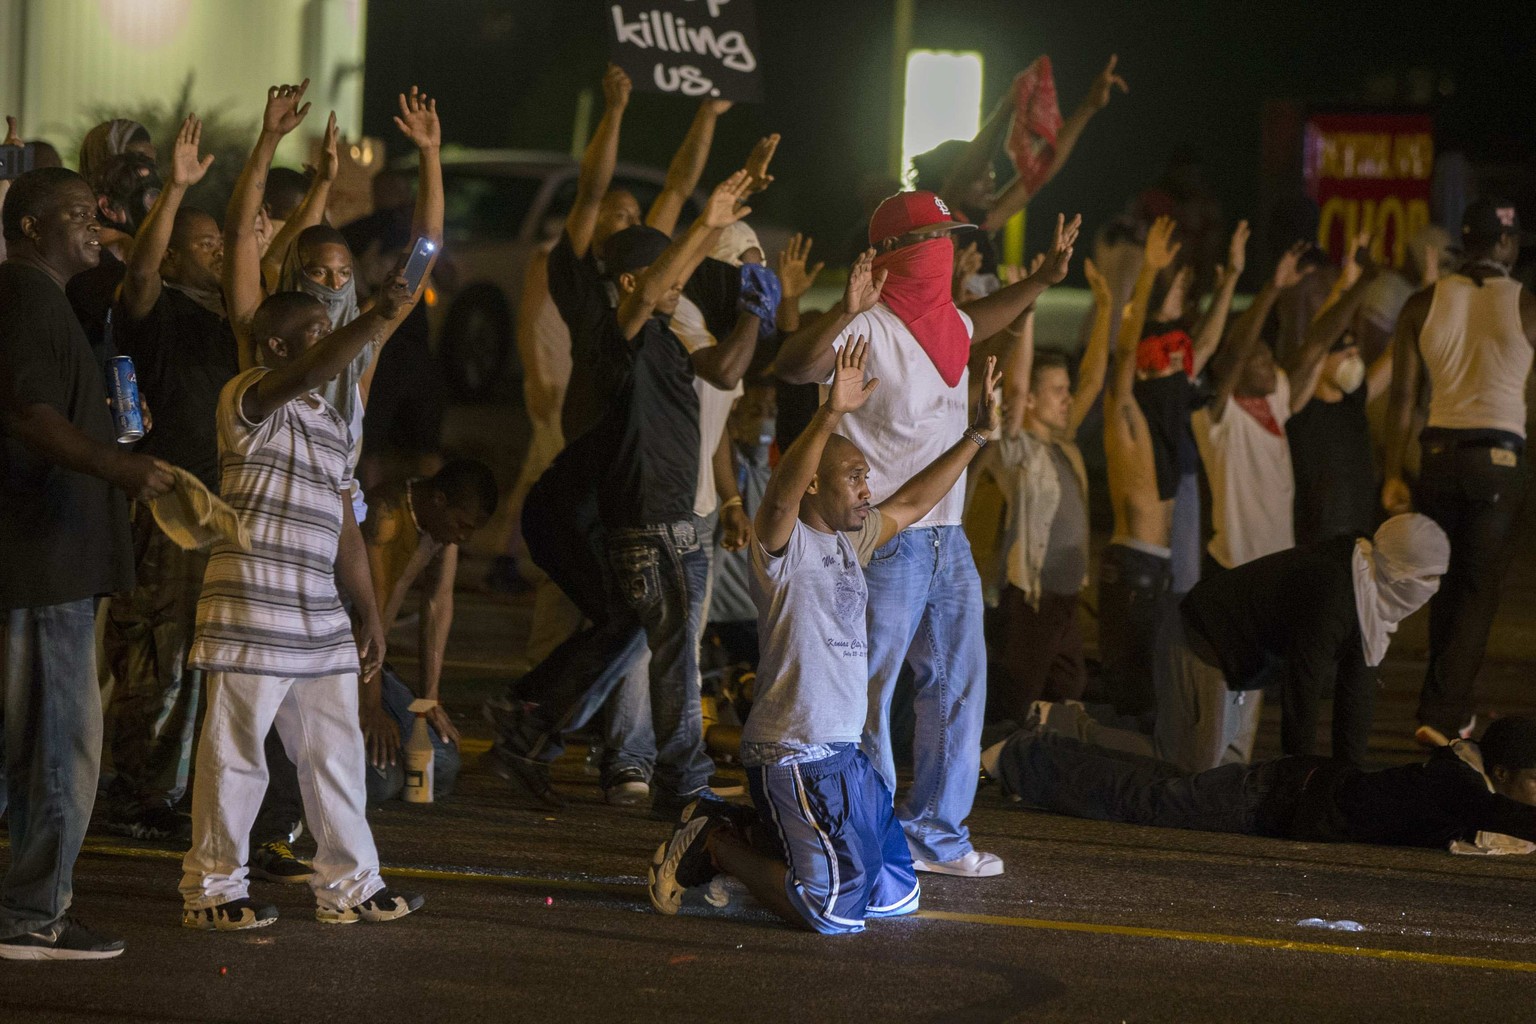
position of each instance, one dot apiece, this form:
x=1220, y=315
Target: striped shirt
x=275, y=610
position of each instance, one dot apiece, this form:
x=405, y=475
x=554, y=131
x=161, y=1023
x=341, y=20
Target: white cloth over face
x=734, y=240
x=1396, y=573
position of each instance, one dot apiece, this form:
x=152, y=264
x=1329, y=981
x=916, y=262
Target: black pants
x=1133, y=589
x=1473, y=484
x=1060, y=774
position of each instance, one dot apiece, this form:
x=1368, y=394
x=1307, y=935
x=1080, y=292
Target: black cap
x=1487, y=220
x=1509, y=743
x=633, y=249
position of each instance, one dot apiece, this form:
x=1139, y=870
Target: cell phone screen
x=416, y=266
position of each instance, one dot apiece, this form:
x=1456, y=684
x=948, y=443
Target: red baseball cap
x=909, y=212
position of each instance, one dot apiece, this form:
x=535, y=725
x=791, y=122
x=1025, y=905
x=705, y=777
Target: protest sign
x=1369, y=172
x=696, y=48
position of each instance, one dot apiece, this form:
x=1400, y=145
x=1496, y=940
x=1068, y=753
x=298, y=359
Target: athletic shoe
x=275, y=862
x=683, y=861
x=65, y=939
x=529, y=775
x=230, y=916
x=384, y=905
x=973, y=865
x=626, y=787
x=724, y=786
x=156, y=822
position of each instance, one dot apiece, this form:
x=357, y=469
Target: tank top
x=1477, y=356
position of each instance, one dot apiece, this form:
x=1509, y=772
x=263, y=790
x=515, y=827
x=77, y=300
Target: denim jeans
x=52, y=756
x=1475, y=492
x=152, y=716
x=925, y=609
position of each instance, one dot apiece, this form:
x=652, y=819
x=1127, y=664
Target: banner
x=694, y=48
x=1369, y=172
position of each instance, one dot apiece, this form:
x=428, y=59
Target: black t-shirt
x=650, y=432
x=1167, y=403
x=1294, y=610
x=183, y=355
x=63, y=534
x=90, y=295
x=581, y=295
x=1336, y=482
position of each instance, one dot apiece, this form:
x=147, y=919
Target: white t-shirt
x=912, y=418
x=1252, y=486
x=813, y=676
x=714, y=404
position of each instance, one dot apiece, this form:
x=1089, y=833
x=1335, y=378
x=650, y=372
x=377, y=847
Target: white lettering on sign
x=663, y=31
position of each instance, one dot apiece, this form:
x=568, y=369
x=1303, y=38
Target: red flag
x=1036, y=122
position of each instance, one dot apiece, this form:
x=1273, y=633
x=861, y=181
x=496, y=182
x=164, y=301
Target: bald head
x=839, y=497
x=839, y=452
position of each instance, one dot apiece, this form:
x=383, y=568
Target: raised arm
x=311, y=209
x=687, y=167
x=1090, y=373
x=1017, y=195
x=418, y=122
x=758, y=178
x=1305, y=367
x=542, y=390
x=1403, y=401
x=325, y=359
x=996, y=311
x=1018, y=365
x=1208, y=335
x=243, y=289
x=1158, y=252
x=667, y=272
x=917, y=497
x=141, y=279
x=1244, y=333
x=795, y=280
x=807, y=355
x=977, y=156
x=598, y=161
x=780, y=507
x=724, y=364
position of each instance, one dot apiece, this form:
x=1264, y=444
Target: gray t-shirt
x=813, y=677
x=1066, y=548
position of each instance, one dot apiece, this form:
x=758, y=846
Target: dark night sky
x=507, y=73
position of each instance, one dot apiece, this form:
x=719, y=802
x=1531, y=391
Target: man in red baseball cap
x=925, y=605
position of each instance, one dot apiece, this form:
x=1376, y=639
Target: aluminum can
x=123, y=392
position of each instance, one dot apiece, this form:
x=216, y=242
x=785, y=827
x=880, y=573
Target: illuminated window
x=942, y=102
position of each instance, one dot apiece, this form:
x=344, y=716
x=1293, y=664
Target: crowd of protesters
x=209, y=606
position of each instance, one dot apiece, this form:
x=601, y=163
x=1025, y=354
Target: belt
x=1436, y=440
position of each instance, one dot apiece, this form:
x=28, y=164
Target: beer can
x=123, y=390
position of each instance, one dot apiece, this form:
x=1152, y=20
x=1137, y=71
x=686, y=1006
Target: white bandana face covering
x=1395, y=574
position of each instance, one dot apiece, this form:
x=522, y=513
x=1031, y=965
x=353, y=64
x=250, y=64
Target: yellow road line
x=629, y=890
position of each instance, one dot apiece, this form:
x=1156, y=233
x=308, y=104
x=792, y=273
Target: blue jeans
x=52, y=717
x=925, y=609
x=387, y=783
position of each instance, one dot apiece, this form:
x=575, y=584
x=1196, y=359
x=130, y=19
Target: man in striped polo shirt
x=272, y=633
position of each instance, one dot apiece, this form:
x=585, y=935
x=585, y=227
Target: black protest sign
x=699, y=48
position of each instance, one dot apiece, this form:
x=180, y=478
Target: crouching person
x=824, y=849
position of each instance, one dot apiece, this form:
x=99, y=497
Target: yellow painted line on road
x=630, y=890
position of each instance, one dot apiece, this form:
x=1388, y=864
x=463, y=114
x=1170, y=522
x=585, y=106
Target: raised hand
x=1059, y=257
x=1287, y=274
x=12, y=133
x=1237, y=249
x=418, y=120
x=986, y=409
x=396, y=291
x=718, y=107
x=186, y=168
x=967, y=261
x=1098, y=282
x=1160, y=248
x=724, y=206
x=849, y=390
x=616, y=87
x=758, y=161
x=283, y=113
x=863, y=288
x=1104, y=85
x=794, y=278
x=330, y=157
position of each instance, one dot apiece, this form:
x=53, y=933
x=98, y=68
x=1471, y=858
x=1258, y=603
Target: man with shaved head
x=170, y=318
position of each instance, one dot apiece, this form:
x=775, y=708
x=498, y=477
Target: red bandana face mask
x=917, y=291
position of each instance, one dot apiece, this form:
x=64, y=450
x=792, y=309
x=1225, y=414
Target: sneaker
x=724, y=786
x=683, y=862
x=230, y=916
x=65, y=939
x=155, y=822
x=973, y=865
x=529, y=775
x=626, y=787
x=275, y=862
x=384, y=905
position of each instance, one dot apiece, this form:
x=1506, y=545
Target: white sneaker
x=973, y=865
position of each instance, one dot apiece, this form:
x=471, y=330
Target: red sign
x=1369, y=172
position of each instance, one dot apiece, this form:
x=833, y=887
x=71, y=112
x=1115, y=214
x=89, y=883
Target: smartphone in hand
x=416, y=266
